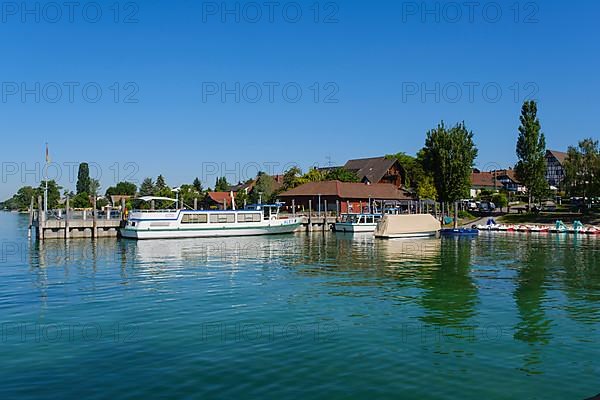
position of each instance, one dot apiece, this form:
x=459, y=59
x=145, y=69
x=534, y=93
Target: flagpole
x=46, y=179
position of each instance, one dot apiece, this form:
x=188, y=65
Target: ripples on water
x=320, y=316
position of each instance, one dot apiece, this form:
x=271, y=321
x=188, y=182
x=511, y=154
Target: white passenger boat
x=256, y=220
x=357, y=223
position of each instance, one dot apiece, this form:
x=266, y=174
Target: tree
x=187, y=194
x=161, y=185
x=500, y=200
x=448, y=156
x=313, y=175
x=53, y=193
x=241, y=199
x=222, y=185
x=83, y=178
x=147, y=187
x=531, y=152
x=342, y=175
x=582, y=169
x=81, y=200
x=291, y=178
x=426, y=189
x=198, y=185
x=22, y=199
x=122, y=189
x=94, y=187
x=264, y=189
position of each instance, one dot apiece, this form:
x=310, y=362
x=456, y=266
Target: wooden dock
x=70, y=224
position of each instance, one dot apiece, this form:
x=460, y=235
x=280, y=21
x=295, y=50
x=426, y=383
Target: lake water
x=319, y=316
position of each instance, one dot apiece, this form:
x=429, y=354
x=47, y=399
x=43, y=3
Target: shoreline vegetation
x=440, y=171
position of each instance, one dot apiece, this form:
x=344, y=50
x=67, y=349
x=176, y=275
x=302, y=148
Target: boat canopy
x=150, y=198
x=261, y=206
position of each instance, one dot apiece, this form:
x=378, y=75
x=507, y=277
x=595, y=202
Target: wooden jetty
x=72, y=224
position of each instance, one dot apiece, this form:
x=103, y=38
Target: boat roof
x=365, y=214
x=150, y=198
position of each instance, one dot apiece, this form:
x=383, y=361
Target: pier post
x=337, y=209
x=94, y=219
x=195, y=203
x=41, y=219
x=123, y=205
x=152, y=205
x=325, y=217
x=293, y=207
x=30, y=226
x=309, y=227
x=67, y=216
x=455, y=214
x=108, y=210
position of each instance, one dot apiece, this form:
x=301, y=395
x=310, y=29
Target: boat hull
x=185, y=233
x=408, y=235
x=355, y=228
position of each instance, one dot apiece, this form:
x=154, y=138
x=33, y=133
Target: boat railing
x=155, y=211
x=82, y=214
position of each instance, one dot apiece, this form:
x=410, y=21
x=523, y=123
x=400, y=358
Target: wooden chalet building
x=378, y=170
x=349, y=196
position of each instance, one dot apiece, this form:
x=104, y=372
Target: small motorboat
x=460, y=232
x=407, y=226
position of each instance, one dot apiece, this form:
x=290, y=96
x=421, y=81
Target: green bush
x=465, y=215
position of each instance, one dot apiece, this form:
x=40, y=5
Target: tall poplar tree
x=531, y=152
x=83, y=179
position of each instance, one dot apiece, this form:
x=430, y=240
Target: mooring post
x=325, y=217
x=293, y=207
x=94, y=219
x=67, y=216
x=309, y=227
x=123, y=206
x=41, y=219
x=195, y=203
x=30, y=227
x=455, y=214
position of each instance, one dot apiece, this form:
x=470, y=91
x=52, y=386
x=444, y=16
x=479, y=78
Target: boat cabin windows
x=194, y=219
x=222, y=218
x=254, y=217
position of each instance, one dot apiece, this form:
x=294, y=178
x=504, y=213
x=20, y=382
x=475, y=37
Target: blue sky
x=373, y=76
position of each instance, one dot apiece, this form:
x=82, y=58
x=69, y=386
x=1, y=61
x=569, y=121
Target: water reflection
x=449, y=296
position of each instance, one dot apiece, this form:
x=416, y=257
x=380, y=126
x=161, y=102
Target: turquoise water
x=313, y=316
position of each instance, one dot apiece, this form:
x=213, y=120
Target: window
x=194, y=219
x=255, y=217
x=222, y=218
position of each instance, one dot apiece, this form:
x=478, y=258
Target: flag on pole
x=47, y=155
